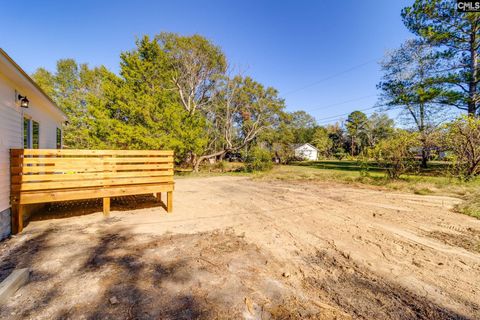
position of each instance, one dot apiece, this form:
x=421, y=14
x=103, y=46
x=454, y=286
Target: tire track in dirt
x=368, y=252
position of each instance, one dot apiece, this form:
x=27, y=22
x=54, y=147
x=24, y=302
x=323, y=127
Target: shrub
x=397, y=153
x=340, y=154
x=258, y=159
x=463, y=139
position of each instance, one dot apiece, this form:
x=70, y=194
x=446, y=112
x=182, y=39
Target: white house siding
x=307, y=152
x=10, y=137
x=11, y=132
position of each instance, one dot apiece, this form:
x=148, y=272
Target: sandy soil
x=238, y=248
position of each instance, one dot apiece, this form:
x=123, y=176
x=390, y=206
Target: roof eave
x=29, y=79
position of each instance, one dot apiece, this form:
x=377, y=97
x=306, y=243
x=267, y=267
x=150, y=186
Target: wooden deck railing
x=44, y=175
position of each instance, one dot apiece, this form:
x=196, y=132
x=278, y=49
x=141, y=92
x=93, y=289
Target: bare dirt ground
x=238, y=248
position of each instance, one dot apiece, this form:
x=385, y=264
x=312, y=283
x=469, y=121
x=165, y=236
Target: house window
x=35, y=135
x=31, y=134
x=59, y=138
x=27, y=133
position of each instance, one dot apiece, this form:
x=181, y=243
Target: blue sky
x=321, y=55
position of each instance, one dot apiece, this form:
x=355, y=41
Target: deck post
x=169, y=201
x=158, y=195
x=17, y=218
x=106, y=207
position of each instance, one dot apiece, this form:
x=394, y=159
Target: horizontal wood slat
x=36, y=171
x=89, y=168
x=46, y=175
x=89, y=161
x=89, y=183
x=89, y=193
x=76, y=152
x=88, y=176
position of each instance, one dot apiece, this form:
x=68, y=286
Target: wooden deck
x=48, y=175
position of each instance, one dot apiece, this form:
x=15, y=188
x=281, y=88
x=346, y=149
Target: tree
x=303, y=126
x=322, y=141
x=397, y=153
x=279, y=138
x=456, y=36
x=141, y=109
x=378, y=127
x=337, y=135
x=355, y=124
x=196, y=64
x=74, y=88
x=242, y=109
x=463, y=138
x=409, y=83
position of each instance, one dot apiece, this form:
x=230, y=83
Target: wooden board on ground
x=12, y=283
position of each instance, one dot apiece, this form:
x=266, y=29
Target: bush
x=258, y=159
x=463, y=139
x=397, y=153
x=340, y=154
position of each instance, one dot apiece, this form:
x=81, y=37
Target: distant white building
x=306, y=151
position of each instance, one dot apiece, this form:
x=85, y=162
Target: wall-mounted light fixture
x=23, y=101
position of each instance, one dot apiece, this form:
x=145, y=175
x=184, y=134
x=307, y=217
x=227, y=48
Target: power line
x=330, y=77
x=322, y=123
x=327, y=120
x=346, y=114
x=339, y=103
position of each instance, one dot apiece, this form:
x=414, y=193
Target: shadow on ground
x=67, y=209
x=114, y=274
x=365, y=295
x=79, y=272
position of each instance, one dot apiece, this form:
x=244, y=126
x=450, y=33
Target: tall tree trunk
x=195, y=162
x=199, y=160
x=424, y=158
x=472, y=84
x=423, y=137
x=352, y=146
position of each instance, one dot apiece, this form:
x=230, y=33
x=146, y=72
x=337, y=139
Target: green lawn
x=435, y=168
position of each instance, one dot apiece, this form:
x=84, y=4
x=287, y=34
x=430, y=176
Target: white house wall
x=307, y=152
x=11, y=136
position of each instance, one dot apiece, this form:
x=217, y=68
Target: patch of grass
x=471, y=206
x=417, y=184
x=350, y=172
x=435, y=168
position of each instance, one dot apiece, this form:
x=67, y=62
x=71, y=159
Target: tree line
x=179, y=92
x=172, y=92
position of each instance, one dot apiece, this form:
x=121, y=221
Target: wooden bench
x=49, y=175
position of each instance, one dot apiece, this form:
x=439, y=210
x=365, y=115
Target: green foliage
x=171, y=93
x=378, y=127
x=303, y=126
x=76, y=89
x=258, y=159
x=410, y=81
x=463, y=139
x=397, y=153
x=456, y=37
x=471, y=206
x=340, y=154
x=356, y=123
x=194, y=64
x=322, y=141
x=337, y=136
